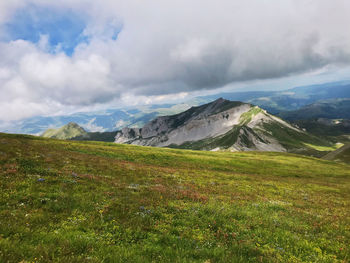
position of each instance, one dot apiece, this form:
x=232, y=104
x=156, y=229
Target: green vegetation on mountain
x=330, y=109
x=68, y=131
x=342, y=154
x=296, y=141
x=68, y=201
x=329, y=119
x=320, y=127
x=325, y=148
x=96, y=136
x=246, y=117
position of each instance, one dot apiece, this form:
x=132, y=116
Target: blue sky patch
x=64, y=27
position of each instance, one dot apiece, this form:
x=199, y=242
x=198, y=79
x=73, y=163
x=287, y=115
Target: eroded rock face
x=256, y=140
x=127, y=135
x=197, y=123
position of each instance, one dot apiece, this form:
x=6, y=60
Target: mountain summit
x=221, y=125
x=68, y=131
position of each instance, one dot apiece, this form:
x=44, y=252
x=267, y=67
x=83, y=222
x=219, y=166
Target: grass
x=325, y=148
x=295, y=140
x=64, y=201
x=342, y=154
x=246, y=117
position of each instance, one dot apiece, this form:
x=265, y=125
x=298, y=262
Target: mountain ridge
x=330, y=109
x=221, y=125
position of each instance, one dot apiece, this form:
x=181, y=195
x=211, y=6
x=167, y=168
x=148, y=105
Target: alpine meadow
x=101, y=202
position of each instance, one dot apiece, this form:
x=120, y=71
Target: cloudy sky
x=72, y=55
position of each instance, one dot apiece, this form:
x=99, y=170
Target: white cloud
x=168, y=47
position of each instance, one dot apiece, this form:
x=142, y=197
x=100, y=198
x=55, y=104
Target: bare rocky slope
x=222, y=125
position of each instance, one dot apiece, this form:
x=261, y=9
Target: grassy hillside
x=66, y=201
x=68, y=131
x=341, y=155
x=330, y=109
x=317, y=127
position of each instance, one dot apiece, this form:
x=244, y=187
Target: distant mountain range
x=100, y=121
x=275, y=102
x=329, y=109
x=288, y=100
x=323, y=118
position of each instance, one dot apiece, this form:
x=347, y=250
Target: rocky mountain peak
x=72, y=125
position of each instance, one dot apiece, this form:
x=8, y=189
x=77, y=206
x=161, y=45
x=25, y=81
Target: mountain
x=337, y=128
x=329, y=118
x=68, y=131
x=222, y=125
x=329, y=109
x=290, y=99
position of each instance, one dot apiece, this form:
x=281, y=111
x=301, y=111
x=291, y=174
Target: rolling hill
x=67, y=201
x=73, y=131
x=68, y=131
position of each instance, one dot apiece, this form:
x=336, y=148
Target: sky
x=72, y=55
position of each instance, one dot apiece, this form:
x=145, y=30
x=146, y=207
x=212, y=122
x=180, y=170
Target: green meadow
x=65, y=201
